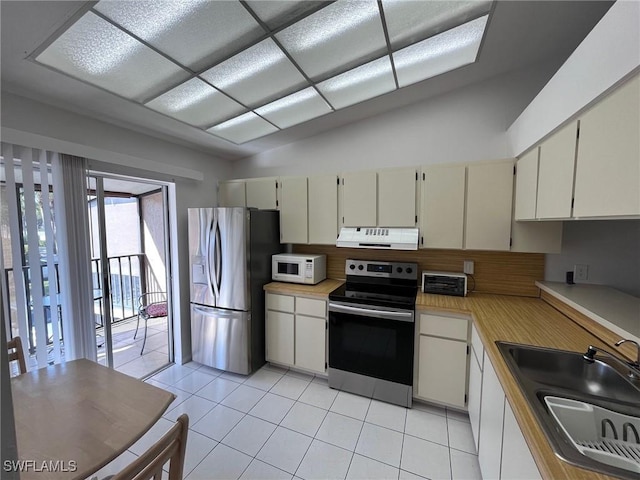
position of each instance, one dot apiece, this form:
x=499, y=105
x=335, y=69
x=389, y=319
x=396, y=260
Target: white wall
x=611, y=249
x=464, y=125
x=118, y=150
x=605, y=58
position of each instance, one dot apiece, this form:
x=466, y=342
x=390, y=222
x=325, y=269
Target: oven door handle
x=368, y=312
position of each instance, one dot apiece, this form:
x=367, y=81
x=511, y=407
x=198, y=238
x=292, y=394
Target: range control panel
x=369, y=268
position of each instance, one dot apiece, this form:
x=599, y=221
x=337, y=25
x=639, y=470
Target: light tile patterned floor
x=280, y=424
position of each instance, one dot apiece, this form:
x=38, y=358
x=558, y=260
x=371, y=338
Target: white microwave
x=298, y=268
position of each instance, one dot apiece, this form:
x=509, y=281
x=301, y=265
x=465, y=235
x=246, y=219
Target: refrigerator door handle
x=211, y=260
x=218, y=258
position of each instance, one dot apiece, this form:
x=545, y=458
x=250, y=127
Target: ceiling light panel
x=296, y=108
x=243, y=128
x=196, y=33
x=439, y=54
x=336, y=38
x=257, y=75
x=99, y=53
x=410, y=21
x=196, y=103
x=275, y=13
x=367, y=81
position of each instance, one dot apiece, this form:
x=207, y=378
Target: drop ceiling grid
x=295, y=74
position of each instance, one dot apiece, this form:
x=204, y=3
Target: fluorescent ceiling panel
x=196, y=103
x=243, y=128
x=367, y=81
x=296, y=108
x=275, y=13
x=335, y=38
x=257, y=74
x=95, y=51
x=411, y=21
x=439, y=54
x=196, y=33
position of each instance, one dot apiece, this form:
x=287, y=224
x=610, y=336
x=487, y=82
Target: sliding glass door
x=130, y=268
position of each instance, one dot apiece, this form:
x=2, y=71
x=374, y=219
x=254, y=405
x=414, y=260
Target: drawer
x=283, y=303
x=476, y=346
x=441, y=326
x=309, y=306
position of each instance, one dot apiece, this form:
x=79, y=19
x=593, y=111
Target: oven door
x=372, y=341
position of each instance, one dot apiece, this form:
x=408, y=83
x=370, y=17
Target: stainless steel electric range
x=371, y=331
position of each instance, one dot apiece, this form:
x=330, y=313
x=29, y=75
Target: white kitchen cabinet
x=517, y=461
x=443, y=359
x=488, y=206
x=262, y=193
x=608, y=160
x=526, y=186
x=491, y=422
x=475, y=396
x=442, y=206
x=232, y=194
x=323, y=209
x=359, y=199
x=555, y=176
x=296, y=332
x=397, y=197
x=293, y=210
x=279, y=337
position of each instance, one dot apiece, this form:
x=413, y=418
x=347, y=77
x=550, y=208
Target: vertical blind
x=46, y=281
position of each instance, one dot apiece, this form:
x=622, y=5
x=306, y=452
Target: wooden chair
x=17, y=353
x=170, y=448
x=150, y=305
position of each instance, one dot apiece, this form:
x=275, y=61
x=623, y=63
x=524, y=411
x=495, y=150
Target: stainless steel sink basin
x=569, y=371
x=544, y=373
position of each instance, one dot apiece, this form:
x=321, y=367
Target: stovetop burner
x=386, y=284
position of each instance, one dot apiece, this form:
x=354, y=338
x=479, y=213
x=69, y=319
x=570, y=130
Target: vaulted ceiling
x=235, y=78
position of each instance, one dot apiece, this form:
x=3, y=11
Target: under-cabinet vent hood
x=384, y=238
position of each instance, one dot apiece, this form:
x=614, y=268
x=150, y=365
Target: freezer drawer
x=221, y=338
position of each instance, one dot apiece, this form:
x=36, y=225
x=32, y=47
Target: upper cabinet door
x=323, y=209
x=608, y=164
x=232, y=194
x=262, y=193
x=489, y=200
x=359, y=199
x=442, y=206
x=527, y=186
x=397, y=197
x=555, y=178
x=293, y=210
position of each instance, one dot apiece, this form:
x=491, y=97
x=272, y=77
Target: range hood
x=383, y=238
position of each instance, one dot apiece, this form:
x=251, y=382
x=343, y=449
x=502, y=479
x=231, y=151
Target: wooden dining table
x=77, y=416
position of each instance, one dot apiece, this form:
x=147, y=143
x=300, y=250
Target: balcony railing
x=127, y=277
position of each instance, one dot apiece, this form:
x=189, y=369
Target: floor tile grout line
x=358, y=439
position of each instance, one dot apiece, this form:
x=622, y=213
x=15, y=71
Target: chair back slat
x=170, y=448
x=16, y=353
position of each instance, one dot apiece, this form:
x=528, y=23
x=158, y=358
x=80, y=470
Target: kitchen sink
x=580, y=405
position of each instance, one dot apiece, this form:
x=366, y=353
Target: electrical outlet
x=468, y=267
x=580, y=272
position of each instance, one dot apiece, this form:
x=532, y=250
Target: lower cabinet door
x=475, y=395
x=491, y=422
x=310, y=343
x=442, y=370
x=279, y=336
x=517, y=461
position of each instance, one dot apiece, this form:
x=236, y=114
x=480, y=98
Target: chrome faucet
x=637, y=362
x=634, y=370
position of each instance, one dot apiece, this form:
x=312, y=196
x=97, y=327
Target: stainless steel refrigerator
x=230, y=261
